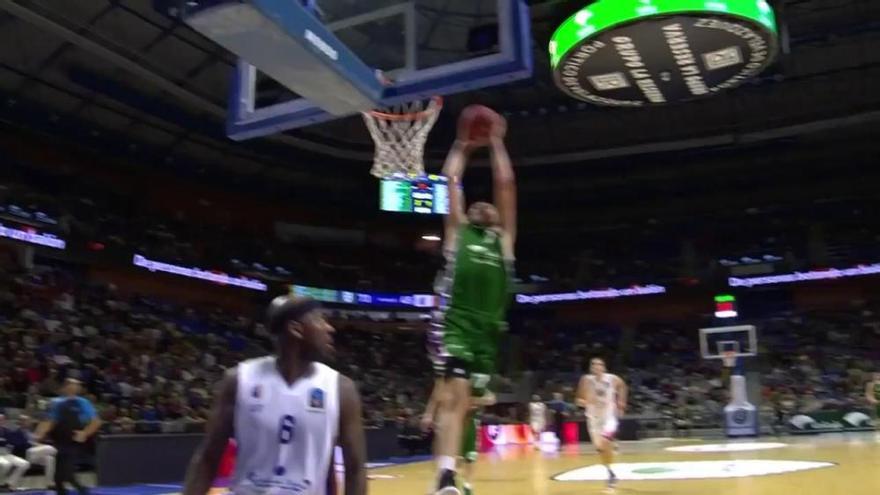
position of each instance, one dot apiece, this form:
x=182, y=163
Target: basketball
x=477, y=122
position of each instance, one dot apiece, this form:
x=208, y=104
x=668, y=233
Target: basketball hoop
x=729, y=359
x=400, y=133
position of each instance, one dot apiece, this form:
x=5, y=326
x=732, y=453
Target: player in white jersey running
x=604, y=397
x=287, y=413
x=537, y=418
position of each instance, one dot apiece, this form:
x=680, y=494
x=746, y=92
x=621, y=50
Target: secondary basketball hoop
x=729, y=359
x=400, y=133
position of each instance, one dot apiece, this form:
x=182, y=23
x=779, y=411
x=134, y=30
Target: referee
x=70, y=422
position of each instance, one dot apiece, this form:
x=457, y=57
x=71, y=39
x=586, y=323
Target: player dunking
x=287, y=413
x=604, y=397
x=474, y=288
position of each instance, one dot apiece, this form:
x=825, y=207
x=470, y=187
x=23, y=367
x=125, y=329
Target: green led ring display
x=634, y=53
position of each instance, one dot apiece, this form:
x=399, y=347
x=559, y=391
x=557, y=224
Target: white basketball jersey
x=285, y=434
x=604, y=395
x=537, y=412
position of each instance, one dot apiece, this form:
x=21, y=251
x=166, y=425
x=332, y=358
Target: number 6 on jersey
x=287, y=429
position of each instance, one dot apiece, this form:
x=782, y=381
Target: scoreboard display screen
x=323, y=295
x=427, y=195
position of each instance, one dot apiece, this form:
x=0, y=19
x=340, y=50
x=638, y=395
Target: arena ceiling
x=124, y=73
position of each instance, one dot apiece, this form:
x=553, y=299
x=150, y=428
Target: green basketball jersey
x=480, y=278
x=877, y=390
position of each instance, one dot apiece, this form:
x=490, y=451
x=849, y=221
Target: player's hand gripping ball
x=478, y=125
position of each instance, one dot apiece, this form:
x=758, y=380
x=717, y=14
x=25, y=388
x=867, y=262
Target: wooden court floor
x=846, y=464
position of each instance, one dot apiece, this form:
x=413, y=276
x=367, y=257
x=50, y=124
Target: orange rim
x=436, y=100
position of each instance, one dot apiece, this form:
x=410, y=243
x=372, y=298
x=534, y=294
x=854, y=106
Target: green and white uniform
x=474, y=291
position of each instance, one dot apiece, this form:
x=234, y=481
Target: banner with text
x=830, y=421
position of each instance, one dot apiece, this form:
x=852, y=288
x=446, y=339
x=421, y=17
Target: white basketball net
x=400, y=133
x=729, y=359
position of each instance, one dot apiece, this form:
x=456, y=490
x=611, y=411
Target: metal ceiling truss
x=63, y=48
x=203, y=129
x=126, y=62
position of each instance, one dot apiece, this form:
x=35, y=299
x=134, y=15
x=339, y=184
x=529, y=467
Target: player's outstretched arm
x=351, y=438
x=203, y=466
x=453, y=170
x=504, y=184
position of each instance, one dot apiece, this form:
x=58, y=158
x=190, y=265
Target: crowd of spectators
x=808, y=361
x=798, y=236
x=820, y=360
x=705, y=245
x=94, y=217
x=150, y=365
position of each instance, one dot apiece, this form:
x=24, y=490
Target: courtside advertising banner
x=830, y=422
x=498, y=435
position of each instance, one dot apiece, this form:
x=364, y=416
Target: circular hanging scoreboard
x=635, y=53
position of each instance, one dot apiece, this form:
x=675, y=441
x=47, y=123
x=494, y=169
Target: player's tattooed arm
x=351, y=438
x=204, y=464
